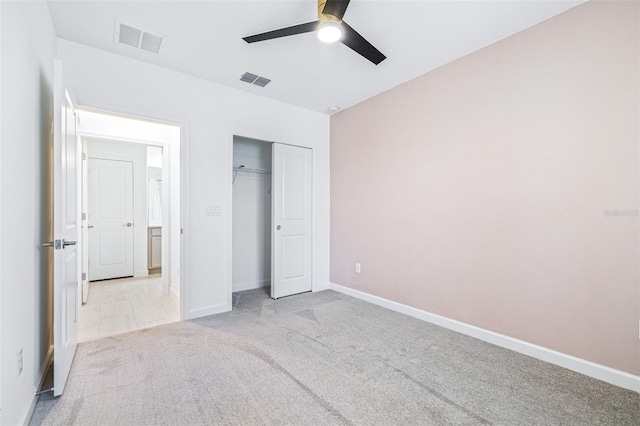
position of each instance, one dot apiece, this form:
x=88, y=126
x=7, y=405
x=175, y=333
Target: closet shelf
x=252, y=170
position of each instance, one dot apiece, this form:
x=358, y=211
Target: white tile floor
x=117, y=306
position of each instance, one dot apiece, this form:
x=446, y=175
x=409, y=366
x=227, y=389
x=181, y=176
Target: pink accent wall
x=485, y=190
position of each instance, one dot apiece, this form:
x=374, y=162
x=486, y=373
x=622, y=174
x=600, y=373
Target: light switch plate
x=212, y=210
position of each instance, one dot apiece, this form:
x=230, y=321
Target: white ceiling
x=204, y=39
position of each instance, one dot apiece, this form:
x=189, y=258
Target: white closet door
x=291, y=221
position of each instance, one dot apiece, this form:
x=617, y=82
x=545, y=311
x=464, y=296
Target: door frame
x=167, y=164
x=229, y=209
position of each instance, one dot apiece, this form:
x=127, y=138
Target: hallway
x=121, y=305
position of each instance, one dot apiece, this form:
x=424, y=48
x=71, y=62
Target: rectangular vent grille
x=247, y=77
x=151, y=42
x=131, y=36
x=261, y=81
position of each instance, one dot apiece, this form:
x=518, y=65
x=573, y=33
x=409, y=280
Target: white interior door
x=66, y=295
x=110, y=218
x=291, y=221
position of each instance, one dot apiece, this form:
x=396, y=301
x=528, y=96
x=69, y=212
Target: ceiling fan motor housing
x=325, y=17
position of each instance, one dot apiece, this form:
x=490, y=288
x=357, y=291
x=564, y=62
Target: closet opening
x=271, y=241
x=251, y=215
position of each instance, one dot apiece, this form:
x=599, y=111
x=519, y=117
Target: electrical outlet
x=20, y=363
x=357, y=268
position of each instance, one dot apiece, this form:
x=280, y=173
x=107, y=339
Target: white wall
x=137, y=154
x=28, y=51
x=251, y=153
x=210, y=114
x=498, y=203
x=154, y=156
x=154, y=193
x=251, y=215
x=154, y=172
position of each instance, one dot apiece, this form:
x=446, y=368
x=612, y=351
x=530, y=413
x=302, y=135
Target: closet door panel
x=291, y=220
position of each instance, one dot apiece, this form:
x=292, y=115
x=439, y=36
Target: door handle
x=128, y=224
x=278, y=227
x=90, y=226
x=57, y=244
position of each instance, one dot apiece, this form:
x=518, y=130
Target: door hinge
x=84, y=276
x=84, y=216
x=84, y=156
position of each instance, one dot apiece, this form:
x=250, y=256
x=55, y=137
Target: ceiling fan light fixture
x=329, y=32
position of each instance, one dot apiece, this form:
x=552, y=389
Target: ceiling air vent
x=261, y=81
x=151, y=42
x=128, y=35
x=131, y=36
x=247, y=77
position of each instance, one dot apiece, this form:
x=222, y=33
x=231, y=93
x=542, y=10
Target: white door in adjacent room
x=110, y=218
x=291, y=220
x=66, y=229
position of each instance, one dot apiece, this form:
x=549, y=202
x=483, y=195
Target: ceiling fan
x=330, y=27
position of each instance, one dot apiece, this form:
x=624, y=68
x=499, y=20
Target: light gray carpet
x=320, y=359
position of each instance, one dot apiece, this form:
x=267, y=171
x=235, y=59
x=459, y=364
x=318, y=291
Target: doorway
x=271, y=218
x=131, y=231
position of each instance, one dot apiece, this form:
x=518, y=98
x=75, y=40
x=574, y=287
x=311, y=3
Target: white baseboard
x=48, y=360
x=26, y=417
x=320, y=287
x=250, y=285
x=206, y=311
x=141, y=273
x=588, y=368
